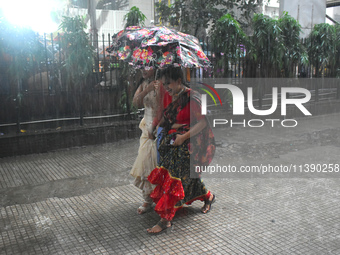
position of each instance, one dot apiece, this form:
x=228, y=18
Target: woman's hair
x=173, y=73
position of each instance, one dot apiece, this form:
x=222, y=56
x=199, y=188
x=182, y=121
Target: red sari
x=177, y=182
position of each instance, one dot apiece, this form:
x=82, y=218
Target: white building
x=334, y=14
x=271, y=8
x=306, y=12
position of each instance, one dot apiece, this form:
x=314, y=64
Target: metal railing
x=48, y=96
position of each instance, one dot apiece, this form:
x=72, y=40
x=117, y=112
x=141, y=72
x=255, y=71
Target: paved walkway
x=82, y=201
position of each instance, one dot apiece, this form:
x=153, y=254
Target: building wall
x=307, y=12
x=147, y=7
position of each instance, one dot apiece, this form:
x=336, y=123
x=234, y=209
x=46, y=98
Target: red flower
x=150, y=51
x=136, y=53
x=143, y=31
x=165, y=37
x=201, y=54
x=143, y=55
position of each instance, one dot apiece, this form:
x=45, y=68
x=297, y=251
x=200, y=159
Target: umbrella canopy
x=158, y=47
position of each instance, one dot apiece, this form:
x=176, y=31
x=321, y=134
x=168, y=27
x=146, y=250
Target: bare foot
x=144, y=208
x=207, y=204
x=161, y=225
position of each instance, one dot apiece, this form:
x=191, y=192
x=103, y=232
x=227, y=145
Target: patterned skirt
x=176, y=184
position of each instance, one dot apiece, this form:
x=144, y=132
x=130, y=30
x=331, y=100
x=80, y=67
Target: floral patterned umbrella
x=158, y=47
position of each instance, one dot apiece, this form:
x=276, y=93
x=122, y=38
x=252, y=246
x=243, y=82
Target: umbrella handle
x=156, y=74
x=154, y=91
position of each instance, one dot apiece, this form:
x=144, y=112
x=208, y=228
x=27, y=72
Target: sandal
x=163, y=227
x=143, y=209
x=206, y=203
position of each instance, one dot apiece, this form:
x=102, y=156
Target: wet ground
x=232, y=148
x=82, y=201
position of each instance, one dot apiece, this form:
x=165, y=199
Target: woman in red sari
x=187, y=141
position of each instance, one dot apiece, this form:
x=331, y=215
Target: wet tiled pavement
x=96, y=211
